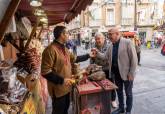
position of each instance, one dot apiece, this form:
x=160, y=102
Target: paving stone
x=149, y=84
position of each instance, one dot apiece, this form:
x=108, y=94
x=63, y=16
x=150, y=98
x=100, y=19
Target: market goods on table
x=12, y=90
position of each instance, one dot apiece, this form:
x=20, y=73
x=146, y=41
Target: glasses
x=110, y=34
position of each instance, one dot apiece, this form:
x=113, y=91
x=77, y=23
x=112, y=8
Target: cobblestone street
x=149, y=85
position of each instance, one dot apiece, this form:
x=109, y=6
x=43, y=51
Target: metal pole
x=135, y=16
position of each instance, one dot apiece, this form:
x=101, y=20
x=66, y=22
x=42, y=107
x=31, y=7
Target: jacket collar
x=59, y=43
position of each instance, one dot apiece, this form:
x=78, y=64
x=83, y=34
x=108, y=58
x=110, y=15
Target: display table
x=34, y=102
x=93, y=97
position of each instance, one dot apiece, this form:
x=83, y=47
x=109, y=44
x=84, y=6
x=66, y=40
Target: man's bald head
x=113, y=30
x=114, y=34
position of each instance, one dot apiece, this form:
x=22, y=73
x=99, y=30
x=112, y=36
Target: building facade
x=104, y=14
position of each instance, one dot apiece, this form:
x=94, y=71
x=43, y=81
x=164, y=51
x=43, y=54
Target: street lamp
x=44, y=20
x=135, y=17
x=39, y=12
x=35, y=3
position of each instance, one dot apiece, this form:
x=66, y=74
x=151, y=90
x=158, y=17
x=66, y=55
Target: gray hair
x=99, y=34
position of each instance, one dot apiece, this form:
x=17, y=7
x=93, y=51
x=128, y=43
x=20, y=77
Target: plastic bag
x=12, y=90
x=97, y=76
x=93, y=68
x=10, y=75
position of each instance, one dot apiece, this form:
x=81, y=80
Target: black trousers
x=127, y=86
x=61, y=104
x=113, y=93
x=138, y=56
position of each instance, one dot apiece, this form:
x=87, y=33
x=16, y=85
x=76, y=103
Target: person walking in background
x=87, y=43
x=138, y=49
x=102, y=45
x=71, y=45
x=75, y=46
x=163, y=47
x=122, y=59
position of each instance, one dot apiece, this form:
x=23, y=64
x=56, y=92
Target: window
x=127, y=1
x=109, y=1
x=96, y=14
x=127, y=11
x=110, y=17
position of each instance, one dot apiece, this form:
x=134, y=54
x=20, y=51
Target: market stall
x=23, y=89
x=92, y=91
x=22, y=79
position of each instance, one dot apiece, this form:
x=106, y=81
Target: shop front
x=145, y=34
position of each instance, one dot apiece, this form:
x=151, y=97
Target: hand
x=93, y=52
x=68, y=82
x=30, y=82
x=130, y=78
x=74, y=77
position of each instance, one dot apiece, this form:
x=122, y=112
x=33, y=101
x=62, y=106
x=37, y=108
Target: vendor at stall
x=56, y=68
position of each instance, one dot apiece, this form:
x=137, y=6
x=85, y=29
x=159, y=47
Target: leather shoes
x=128, y=113
x=118, y=111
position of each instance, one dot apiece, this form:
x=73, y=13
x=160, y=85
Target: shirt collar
x=116, y=43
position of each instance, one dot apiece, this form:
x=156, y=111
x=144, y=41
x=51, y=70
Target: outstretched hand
x=93, y=52
x=68, y=82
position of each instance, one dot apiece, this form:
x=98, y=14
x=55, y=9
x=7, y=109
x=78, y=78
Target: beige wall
x=117, y=6
x=118, y=12
x=147, y=8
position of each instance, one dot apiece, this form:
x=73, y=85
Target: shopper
x=122, y=59
x=71, y=45
x=138, y=49
x=102, y=45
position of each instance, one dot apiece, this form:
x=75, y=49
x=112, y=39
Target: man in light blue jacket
x=122, y=59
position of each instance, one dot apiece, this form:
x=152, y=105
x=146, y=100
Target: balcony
x=127, y=21
x=146, y=22
x=143, y=2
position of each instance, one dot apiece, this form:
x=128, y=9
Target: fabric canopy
x=128, y=34
x=57, y=10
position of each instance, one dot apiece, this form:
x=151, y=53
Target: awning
x=128, y=34
x=57, y=10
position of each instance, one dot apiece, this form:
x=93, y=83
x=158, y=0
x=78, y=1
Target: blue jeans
x=128, y=91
